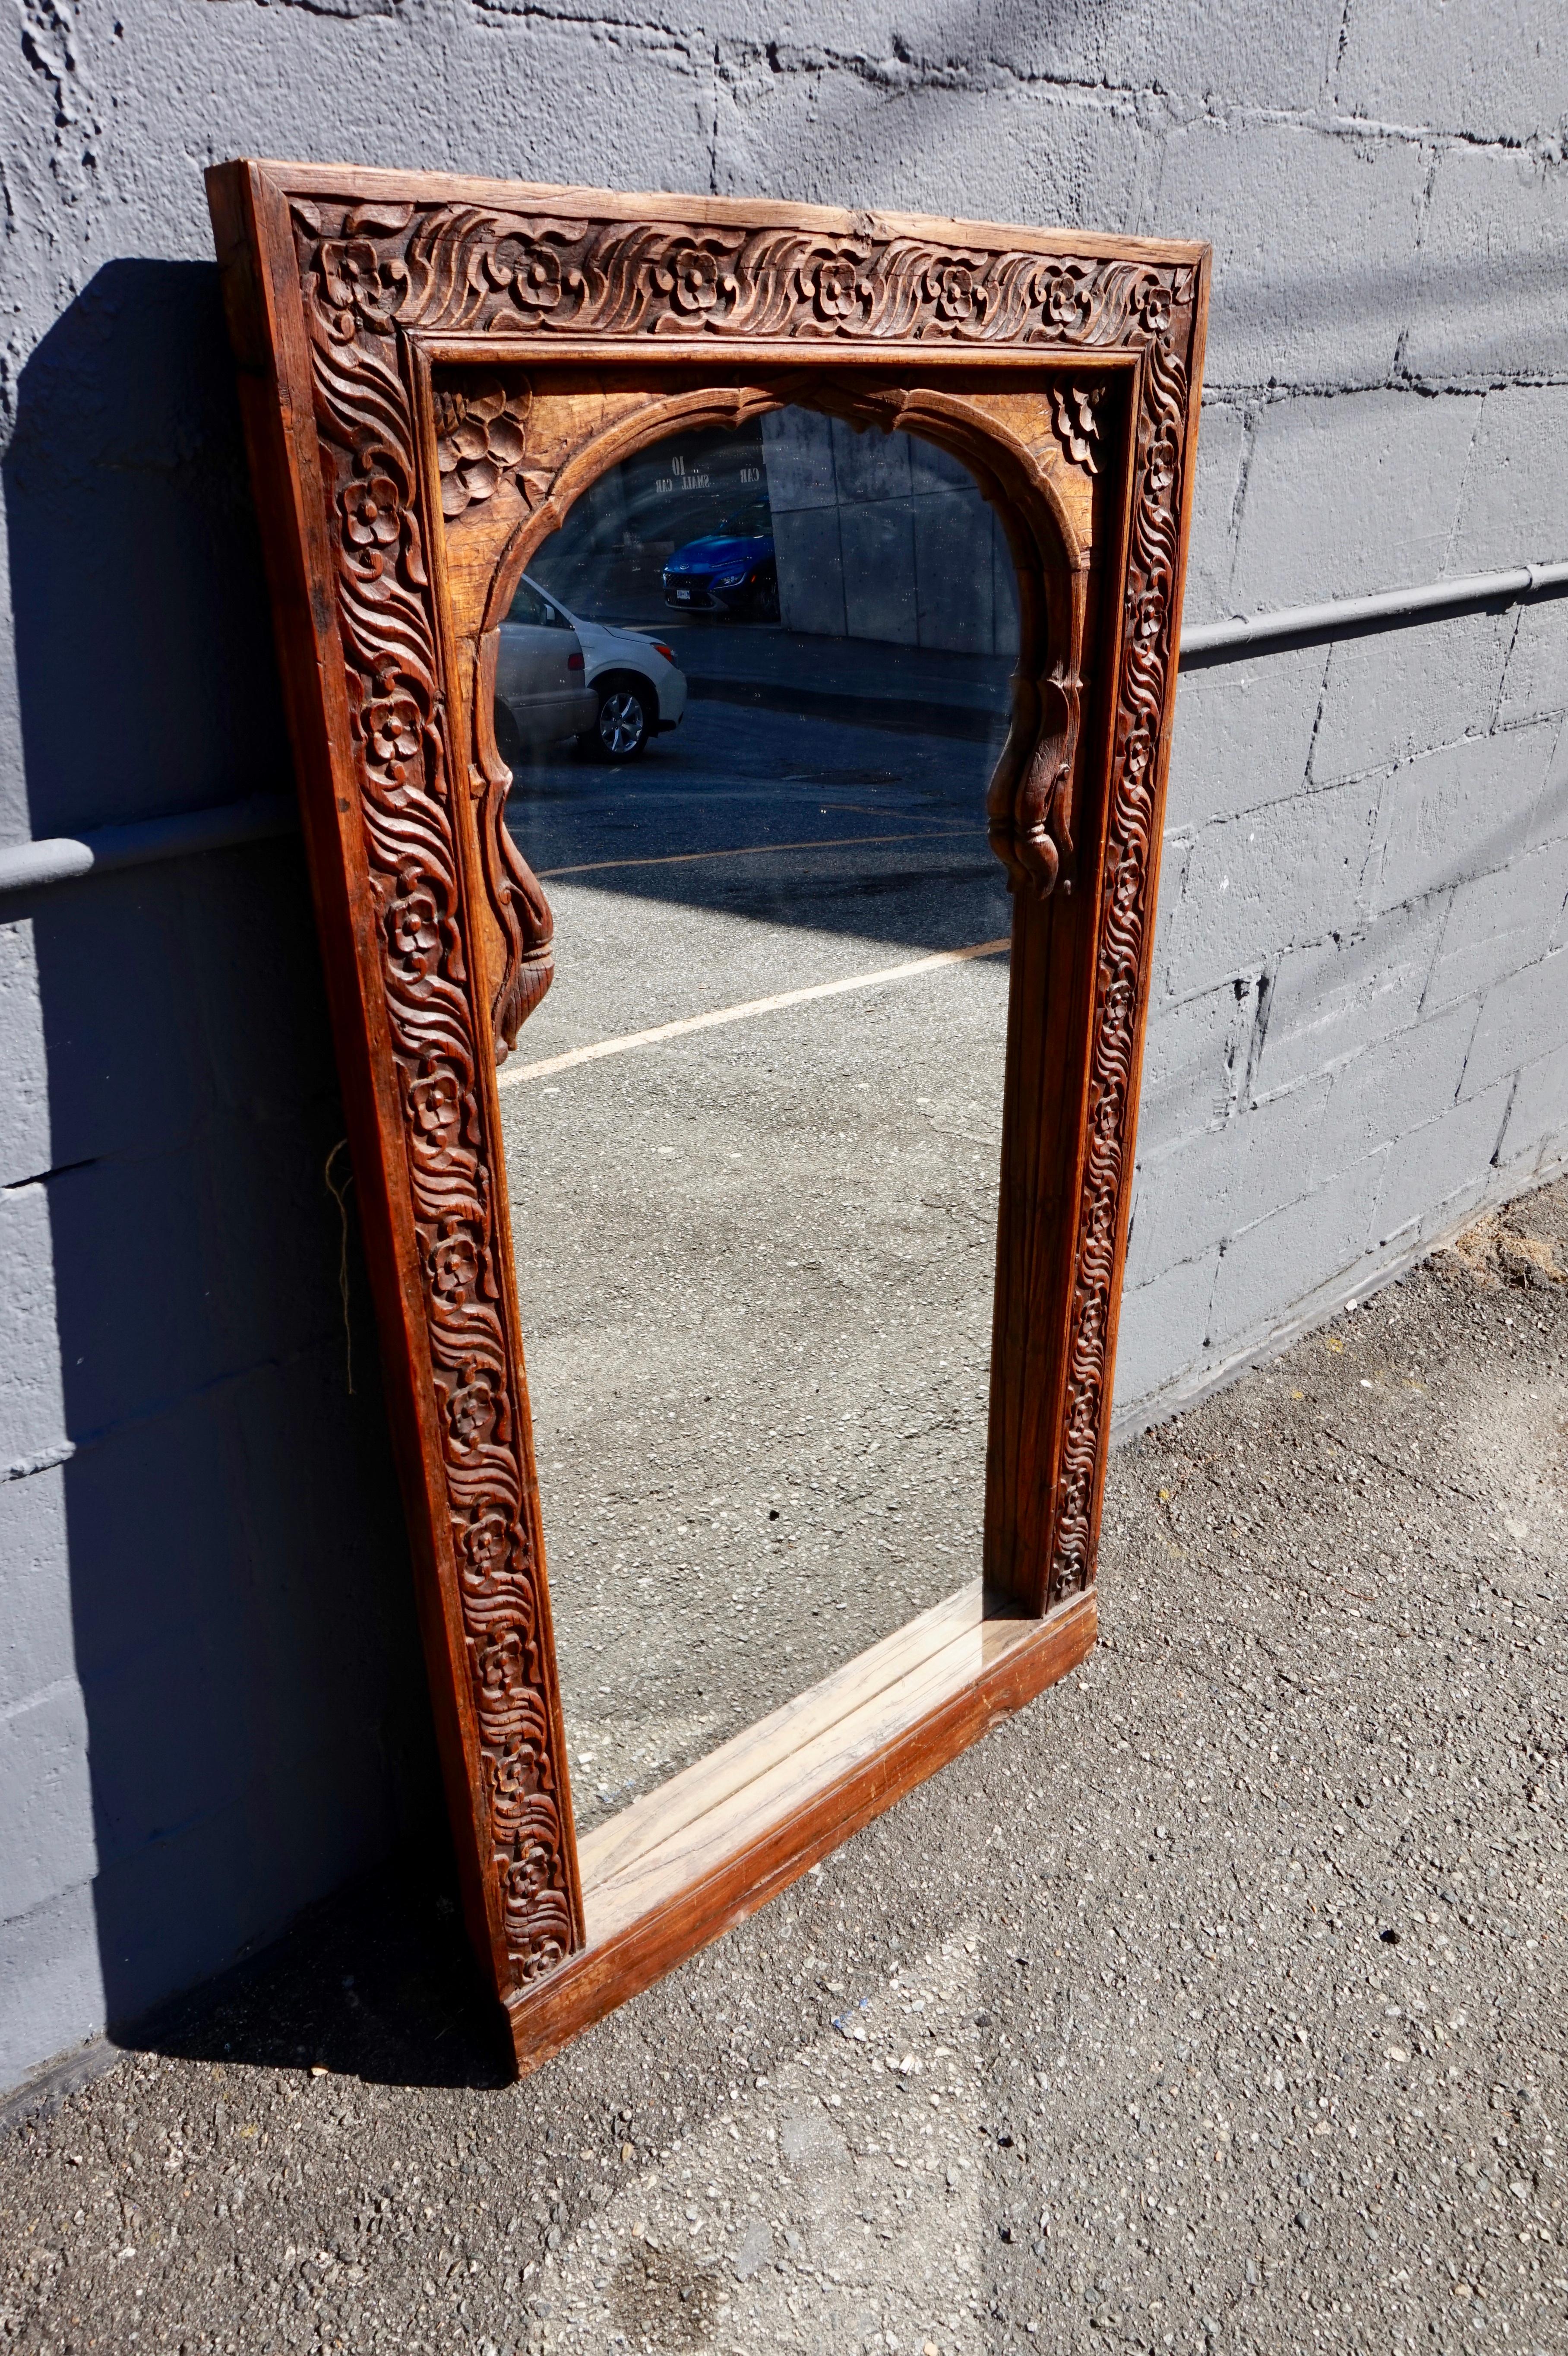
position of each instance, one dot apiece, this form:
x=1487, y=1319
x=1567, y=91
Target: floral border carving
x=374, y=275
x=1126, y=914
x=462, y=269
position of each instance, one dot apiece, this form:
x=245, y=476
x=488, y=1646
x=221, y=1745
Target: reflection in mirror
x=751, y=694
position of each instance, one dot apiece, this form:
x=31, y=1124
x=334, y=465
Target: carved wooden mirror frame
x=432, y=370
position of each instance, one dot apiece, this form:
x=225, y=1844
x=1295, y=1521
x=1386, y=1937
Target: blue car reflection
x=730, y=571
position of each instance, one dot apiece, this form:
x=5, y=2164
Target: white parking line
x=709, y=1021
x=752, y=851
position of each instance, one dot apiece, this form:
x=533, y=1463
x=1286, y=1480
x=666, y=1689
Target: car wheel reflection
x=622, y=729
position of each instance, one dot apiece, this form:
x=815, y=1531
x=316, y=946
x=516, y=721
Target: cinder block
x=901, y=44
x=1515, y=508
x=1535, y=683
x=204, y=952
x=1243, y=734
x=1208, y=1187
x=253, y=1863
x=150, y=1618
x=45, y=1798
x=311, y=1752
x=1429, y=1173
x=1488, y=297
x=1271, y=880
x=626, y=82
x=1401, y=693
x=131, y=1338
x=1196, y=1063
x=1212, y=548
x=1346, y=495
x=1234, y=180
x=1265, y=53
x=248, y=968
x=1391, y=1089
x=52, y=1982
x=15, y=823
x=1550, y=822
x=131, y=531
x=1268, y=1268
x=1523, y=1019
x=24, y=1149
x=1538, y=1116
x=1462, y=811
x=1163, y=1326
x=1492, y=73
x=37, y=1646
x=171, y=1272
x=1502, y=923
x=1176, y=849
x=32, y=1389
x=993, y=150
x=1345, y=994
x=124, y=1065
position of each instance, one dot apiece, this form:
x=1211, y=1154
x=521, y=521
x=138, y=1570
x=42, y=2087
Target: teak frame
x=432, y=371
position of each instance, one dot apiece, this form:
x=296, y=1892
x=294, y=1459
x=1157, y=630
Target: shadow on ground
x=376, y=1984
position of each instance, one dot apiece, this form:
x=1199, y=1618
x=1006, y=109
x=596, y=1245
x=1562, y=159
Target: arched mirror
x=752, y=693
x=730, y=652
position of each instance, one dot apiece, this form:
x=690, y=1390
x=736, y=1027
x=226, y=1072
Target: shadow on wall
x=256, y=1720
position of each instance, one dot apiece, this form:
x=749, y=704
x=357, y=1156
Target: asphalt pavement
x=1214, y=2002
x=754, y=1261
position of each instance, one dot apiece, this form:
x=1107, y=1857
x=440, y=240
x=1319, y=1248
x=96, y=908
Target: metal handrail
x=1344, y=616
x=31, y=866
x=28, y=867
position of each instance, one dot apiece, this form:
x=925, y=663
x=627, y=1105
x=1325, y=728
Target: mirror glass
x=751, y=694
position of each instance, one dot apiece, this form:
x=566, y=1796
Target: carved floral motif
x=1076, y=410
x=372, y=275
x=478, y=437
x=694, y=281
x=464, y=268
x=406, y=764
x=481, y=439
x=1127, y=911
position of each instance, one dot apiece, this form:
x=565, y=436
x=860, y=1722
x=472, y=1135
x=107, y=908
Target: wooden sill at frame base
x=690, y=1861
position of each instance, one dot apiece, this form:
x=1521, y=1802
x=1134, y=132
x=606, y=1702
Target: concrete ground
x=1215, y=2001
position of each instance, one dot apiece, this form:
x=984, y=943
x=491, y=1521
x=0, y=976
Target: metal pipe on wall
x=28, y=867
x=1212, y=642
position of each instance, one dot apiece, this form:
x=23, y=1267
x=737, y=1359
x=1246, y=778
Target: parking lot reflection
x=754, y=1252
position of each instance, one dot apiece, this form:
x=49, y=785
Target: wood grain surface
x=695, y=1857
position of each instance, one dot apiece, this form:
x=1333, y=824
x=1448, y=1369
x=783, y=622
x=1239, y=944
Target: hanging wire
x=340, y=1196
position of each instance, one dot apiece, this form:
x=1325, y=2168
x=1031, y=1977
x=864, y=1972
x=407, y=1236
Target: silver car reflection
x=541, y=677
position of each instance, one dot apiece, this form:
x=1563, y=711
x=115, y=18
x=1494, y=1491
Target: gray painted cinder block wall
x=209, y=1693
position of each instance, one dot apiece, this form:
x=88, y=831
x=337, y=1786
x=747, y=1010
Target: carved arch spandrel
x=557, y=434
x=349, y=292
